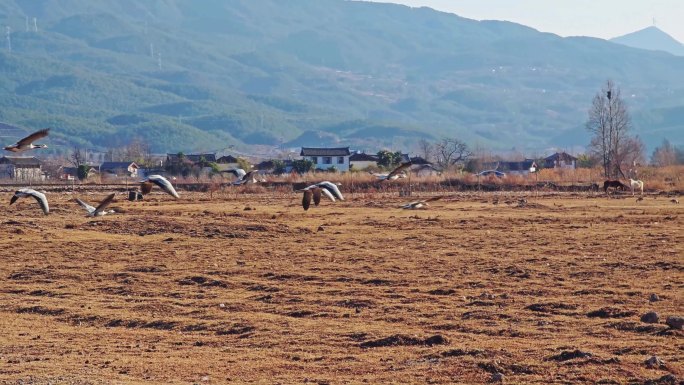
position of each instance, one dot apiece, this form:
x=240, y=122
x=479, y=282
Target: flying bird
x=27, y=192
x=329, y=189
x=311, y=193
x=417, y=205
x=246, y=178
x=163, y=183
x=315, y=191
x=399, y=172
x=238, y=172
x=100, y=209
x=27, y=142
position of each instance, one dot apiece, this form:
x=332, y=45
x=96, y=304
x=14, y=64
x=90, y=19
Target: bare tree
x=609, y=121
x=451, y=151
x=138, y=151
x=77, y=157
x=425, y=149
x=665, y=155
x=630, y=155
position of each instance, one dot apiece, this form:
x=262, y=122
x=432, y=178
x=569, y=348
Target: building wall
x=21, y=173
x=320, y=162
x=363, y=164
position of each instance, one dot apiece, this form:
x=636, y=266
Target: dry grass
x=248, y=288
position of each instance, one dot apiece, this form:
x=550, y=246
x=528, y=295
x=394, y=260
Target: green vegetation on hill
x=199, y=76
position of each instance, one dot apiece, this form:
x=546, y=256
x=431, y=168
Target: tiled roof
x=192, y=157
x=419, y=160
x=227, y=159
x=21, y=161
x=564, y=156
x=360, y=157
x=111, y=166
x=339, y=151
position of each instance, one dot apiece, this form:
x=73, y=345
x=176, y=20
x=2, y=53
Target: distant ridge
x=651, y=38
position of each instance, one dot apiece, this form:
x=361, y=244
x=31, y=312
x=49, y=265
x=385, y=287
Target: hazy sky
x=598, y=18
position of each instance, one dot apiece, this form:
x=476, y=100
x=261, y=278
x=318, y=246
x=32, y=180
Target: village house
x=227, y=162
x=361, y=161
x=268, y=166
x=119, y=169
x=195, y=159
x=425, y=169
x=522, y=167
x=21, y=168
x=560, y=160
x=326, y=158
x=420, y=160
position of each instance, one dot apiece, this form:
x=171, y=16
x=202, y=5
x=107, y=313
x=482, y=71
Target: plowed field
x=252, y=289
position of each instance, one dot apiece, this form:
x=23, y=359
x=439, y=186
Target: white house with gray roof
x=325, y=158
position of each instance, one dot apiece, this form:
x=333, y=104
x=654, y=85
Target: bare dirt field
x=252, y=289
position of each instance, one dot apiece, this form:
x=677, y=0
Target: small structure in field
x=362, y=161
x=21, y=168
x=560, y=160
x=119, y=169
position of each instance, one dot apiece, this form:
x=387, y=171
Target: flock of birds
x=27, y=144
x=311, y=193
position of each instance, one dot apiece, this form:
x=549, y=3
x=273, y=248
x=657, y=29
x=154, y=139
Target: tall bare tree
x=425, y=149
x=77, y=157
x=451, y=151
x=609, y=121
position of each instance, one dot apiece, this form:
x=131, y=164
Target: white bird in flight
x=163, y=183
x=100, y=209
x=398, y=172
x=314, y=192
x=27, y=192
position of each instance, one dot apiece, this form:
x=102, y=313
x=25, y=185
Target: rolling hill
x=201, y=76
x=651, y=38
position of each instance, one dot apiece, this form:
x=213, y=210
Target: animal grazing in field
x=616, y=184
x=39, y=197
x=636, y=184
x=675, y=201
x=418, y=205
x=639, y=199
x=398, y=172
x=100, y=209
x=27, y=142
x=594, y=187
x=158, y=180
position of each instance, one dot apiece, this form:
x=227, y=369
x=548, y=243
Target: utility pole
x=35, y=24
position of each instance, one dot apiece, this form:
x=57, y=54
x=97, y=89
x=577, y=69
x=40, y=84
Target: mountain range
x=264, y=74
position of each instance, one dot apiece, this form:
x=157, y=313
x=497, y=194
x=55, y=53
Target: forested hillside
x=204, y=75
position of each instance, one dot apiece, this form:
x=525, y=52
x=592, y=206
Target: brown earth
x=252, y=289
